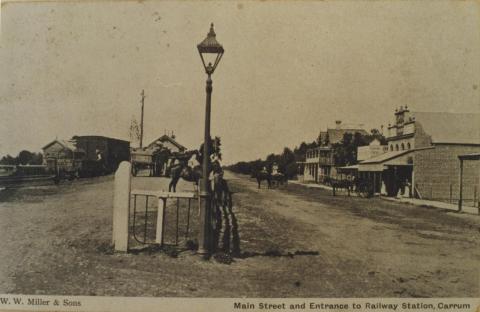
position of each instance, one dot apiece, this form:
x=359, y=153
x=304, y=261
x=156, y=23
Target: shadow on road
x=227, y=238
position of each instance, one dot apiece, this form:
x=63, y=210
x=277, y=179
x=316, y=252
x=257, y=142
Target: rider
x=216, y=166
x=217, y=170
x=275, y=169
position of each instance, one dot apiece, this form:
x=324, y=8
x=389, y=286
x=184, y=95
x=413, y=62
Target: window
x=403, y=147
x=396, y=147
x=391, y=147
x=408, y=146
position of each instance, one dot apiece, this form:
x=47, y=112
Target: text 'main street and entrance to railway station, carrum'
x=347, y=306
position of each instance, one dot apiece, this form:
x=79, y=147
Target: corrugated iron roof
x=384, y=157
x=445, y=127
x=164, y=138
x=66, y=144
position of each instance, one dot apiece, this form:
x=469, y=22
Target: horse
x=182, y=170
x=263, y=176
x=194, y=174
x=341, y=184
x=221, y=191
x=185, y=172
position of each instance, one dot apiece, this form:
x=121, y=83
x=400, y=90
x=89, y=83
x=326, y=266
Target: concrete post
x=121, y=206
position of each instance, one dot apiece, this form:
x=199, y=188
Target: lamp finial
x=211, y=33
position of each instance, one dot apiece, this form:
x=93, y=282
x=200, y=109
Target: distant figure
x=383, y=188
x=100, y=167
x=408, y=190
x=275, y=169
x=99, y=155
x=353, y=182
x=401, y=189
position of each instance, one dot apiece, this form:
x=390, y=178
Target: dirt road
x=289, y=242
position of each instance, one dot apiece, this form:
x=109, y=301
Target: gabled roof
x=75, y=137
x=65, y=144
x=336, y=135
x=164, y=138
x=444, y=127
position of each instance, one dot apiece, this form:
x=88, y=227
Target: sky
x=290, y=68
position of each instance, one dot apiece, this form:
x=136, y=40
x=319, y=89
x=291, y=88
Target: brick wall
x=436, y=169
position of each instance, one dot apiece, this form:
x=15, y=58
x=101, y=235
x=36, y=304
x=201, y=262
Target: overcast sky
x=290, y=68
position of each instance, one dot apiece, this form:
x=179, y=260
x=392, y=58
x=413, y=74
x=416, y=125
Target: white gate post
x=121, y=206
x=162, y=201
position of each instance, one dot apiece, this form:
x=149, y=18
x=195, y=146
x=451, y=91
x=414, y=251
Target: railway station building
x=169, y=142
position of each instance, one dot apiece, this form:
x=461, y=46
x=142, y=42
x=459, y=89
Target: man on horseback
x=180, y=169
x=217, y=170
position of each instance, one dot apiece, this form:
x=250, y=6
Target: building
x=113, y=151
x=168, y=142
x=375, y=148
x=319, y=161
x=62, y=155
x=423, y=150
x=157, y=156
x=83, y=154
x=59, y=148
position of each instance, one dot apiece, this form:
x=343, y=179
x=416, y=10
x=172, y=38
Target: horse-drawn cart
x=155, y=161
x=361, y=187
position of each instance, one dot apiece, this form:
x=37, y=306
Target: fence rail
x=152, y=220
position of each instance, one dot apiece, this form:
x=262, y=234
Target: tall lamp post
x=210, y=52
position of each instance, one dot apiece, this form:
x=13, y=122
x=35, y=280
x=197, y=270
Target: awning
x=352, y=167
x=381, y=162
x=475, y=156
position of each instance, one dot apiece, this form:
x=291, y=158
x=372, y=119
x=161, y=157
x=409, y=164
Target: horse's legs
x=173, y=184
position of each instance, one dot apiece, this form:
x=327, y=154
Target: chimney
x=338, y=123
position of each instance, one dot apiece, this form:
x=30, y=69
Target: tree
x=326, y=142
x=375, y=134
x=345, y=152
x=8, y=160
x=134, y=131
x=37, y=159
x=286, y=158
x=291, y=170
x=24, y=157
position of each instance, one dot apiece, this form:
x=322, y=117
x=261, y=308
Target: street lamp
x=210, y=52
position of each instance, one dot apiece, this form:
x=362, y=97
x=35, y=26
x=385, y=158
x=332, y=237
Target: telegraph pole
x=141, y=119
